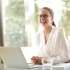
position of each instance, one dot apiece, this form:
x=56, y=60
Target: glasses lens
x=45, y=15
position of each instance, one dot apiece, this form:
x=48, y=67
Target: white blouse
x=55, y=50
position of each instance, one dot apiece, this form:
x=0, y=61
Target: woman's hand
x=36, y=60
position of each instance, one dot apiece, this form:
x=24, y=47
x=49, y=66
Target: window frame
x=1, y=26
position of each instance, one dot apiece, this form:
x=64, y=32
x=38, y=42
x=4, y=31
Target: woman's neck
x=47, y=30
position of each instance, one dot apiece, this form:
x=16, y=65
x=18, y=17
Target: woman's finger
x=33, y=61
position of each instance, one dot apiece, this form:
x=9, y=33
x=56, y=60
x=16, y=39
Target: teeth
x=43, y=21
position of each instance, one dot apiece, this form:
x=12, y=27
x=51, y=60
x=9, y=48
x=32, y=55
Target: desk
x=21, y=69
x=65, y=66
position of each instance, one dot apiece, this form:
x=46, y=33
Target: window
x=20, y=21
x=19, y=28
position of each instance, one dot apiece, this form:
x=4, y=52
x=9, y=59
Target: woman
x=51, y=41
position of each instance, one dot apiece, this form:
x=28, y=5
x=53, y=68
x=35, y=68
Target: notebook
x=13, y=57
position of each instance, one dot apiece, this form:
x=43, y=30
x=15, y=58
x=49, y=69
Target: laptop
x=14, y=58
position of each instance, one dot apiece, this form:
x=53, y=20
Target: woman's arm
x=62, y=45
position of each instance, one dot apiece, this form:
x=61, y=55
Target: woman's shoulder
x=59, y=29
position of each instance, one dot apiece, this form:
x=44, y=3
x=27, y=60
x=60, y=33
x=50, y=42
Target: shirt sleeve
x=61, y=43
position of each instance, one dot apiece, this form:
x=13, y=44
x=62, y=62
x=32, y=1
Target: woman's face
x=45, y=18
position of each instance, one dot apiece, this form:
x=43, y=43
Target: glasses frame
x=43, y=15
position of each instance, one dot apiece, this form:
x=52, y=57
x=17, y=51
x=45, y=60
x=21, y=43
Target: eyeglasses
x=44, y=16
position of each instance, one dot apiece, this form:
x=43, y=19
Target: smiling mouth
x=43, y=22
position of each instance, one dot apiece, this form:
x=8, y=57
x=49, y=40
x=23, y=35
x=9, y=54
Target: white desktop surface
x=20, y=69
x=65, y=66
